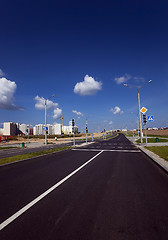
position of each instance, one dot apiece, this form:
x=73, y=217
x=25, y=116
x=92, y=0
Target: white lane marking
x=87, y=149
x=107, y=150
x=29, y=205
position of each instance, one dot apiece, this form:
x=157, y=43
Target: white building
x=50, y=129
x=57, y=129
x=9, y=129
x=24, y=128
x=1, y=131
x=69, y=129
x=38, y=129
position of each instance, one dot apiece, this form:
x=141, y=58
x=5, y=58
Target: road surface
x=108, y=190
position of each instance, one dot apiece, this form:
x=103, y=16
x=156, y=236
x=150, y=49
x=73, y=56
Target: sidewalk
x=162, y=162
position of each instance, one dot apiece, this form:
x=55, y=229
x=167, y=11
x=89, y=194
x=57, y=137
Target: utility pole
x=45, y=130
x=138, y=87
x=140, y=121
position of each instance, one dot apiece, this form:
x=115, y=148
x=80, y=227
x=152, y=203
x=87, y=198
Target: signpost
x=92, y=137
x=45, y=128
x=143, y=110
x=150, y=118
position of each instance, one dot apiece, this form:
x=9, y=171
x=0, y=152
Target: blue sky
x=49, y=47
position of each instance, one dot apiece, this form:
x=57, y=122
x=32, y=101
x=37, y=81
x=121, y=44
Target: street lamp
x=46, y=117
x=138, y=87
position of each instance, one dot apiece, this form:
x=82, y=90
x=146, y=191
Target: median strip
x=17, y=158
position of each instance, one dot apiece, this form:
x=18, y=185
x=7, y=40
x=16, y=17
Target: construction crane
x=61, y=118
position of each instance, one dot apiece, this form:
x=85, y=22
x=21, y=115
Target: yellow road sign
x=143, y=110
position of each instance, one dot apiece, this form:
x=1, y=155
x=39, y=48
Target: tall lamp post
x=139, y=107
x=46, y=118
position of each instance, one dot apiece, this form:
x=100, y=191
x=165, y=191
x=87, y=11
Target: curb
x=154, y=157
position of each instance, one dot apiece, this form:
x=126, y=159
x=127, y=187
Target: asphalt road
x=108, y=190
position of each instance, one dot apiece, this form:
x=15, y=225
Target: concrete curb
x=160, y=161
x=154, y=157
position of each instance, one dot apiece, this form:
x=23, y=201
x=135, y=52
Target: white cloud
x=123, y=79
x=7, y=90
x=88, y=87
x=139, y=79
x=1, y=73
x=110, y=122
x=77, y=113
x=116, y=110
x=40, y=103
x=57, y=113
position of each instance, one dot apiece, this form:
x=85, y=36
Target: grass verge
x=152, y=140
x=2, y=148
x=131, y=135
x=161, y=151
x=30, y=155
x=162, y=136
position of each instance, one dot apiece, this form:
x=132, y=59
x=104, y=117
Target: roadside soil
x=154, y=132
x=51, y=140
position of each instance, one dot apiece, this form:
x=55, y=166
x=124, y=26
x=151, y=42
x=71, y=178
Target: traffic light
x=86, y=126
x=73, y=122
x=144, y=119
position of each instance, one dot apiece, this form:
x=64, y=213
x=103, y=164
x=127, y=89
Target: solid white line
x=29, y=205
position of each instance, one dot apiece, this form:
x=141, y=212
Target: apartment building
x=57, y=129
x=10, y=129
